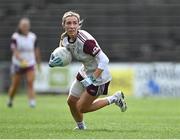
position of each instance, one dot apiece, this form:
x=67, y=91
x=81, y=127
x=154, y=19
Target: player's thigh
x=91, y=93
x=30, y=76
x=76, y=89
x=86, y=101
x=16, y=78
x=72, y=100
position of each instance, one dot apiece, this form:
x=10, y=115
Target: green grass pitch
x=145, y=118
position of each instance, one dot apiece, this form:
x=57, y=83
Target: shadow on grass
x=103, y=130
x=111, y=130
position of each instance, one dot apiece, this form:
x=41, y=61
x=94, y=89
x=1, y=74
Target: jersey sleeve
x=35, y=43
x=35, y=40
x=102, y=60
x=13, y=42
x=91, y=48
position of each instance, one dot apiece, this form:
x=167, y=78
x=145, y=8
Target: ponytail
x=63, y=35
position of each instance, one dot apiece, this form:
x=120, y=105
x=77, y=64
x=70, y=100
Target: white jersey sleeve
x=102, y=60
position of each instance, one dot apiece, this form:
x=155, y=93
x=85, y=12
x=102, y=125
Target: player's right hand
x=88, y=81
x=23, y=64
x=55, y=61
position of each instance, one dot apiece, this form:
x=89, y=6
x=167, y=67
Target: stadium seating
x=128, y=30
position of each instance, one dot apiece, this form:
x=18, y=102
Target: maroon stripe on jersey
x=80, y=38
x=83, y=35
x=79, y=77
x=13, y=43
x=91, y=48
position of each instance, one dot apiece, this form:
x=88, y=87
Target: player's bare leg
x=72, y=102
x=77, y=115
x=13, y=88
x=30, y=75
x=88, y=103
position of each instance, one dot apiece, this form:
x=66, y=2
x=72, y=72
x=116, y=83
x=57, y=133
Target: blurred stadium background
x=131, y=31
x=142, y=40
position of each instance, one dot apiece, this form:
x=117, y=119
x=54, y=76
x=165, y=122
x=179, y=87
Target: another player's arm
x=14, y=50
x=37, y=54
x=16, y=53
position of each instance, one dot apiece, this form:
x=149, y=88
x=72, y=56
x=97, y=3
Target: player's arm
x=102, y=60
x=37, y=54
x=16, y=53
x=14, y=49
x=97, y=73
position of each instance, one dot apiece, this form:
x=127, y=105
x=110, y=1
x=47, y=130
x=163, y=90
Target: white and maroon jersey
x=85, y=49
x=25, y=44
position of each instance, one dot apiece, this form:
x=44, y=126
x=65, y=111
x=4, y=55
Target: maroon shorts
x=98, y=90
x=18, y=70
x=95, y=90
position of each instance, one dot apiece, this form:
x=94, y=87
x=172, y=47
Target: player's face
x=71, y=26
x=24, y=26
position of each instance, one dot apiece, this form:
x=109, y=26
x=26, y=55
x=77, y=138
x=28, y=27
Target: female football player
x=93, y=77
x=25, y=54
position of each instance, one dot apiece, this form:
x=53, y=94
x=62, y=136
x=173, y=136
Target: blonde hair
x=69, y=14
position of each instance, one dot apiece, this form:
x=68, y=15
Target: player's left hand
x=88, y=81
x=55, y=61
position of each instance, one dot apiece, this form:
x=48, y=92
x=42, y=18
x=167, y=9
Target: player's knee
x=13, y=88
x=82, y=109
x=71, y=102
x=30, y=84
